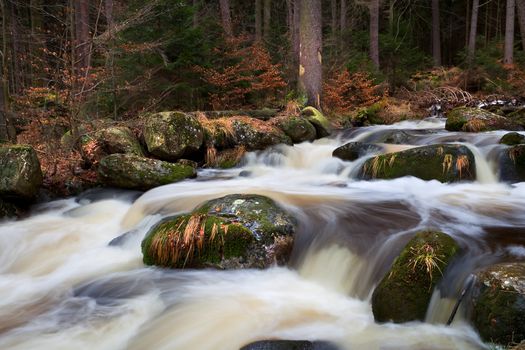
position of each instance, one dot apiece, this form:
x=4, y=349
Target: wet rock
x=512, y=138
x=395, y=137
x=445, y=163
x=172, y=135
x=255, y=134
x=354, y=150
x=20, y=173
x=498, y=303
x=476, y=120
x=512, y=164
x=230, y=158
x=235, y=231
x=322, y=125
x=289, y=345
x=134, y=172
x=8, y=210
x=297, y=128
x=518, y=116
x=119, y=139
x=404, y=293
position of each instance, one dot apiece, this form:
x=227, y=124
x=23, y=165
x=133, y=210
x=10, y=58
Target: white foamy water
x=63, y=286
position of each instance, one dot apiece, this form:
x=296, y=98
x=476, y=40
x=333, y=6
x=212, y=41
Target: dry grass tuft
x=425, y=257
x=462, y=164
x=447, y=163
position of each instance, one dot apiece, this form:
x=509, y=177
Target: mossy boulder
x=404, y=293
x=322, y=125
x=20, y=172
x=518, y=116
x=445, y=163
x=297, y=128
x=290, y=345
x=135, y=172
x=119, y=139
x=255, y=134
x=354, y=150
x=512, y=138
x=512, y=164
x=229, y=158
x=498, y=303
x=395, y=137
x=172, y=135
x=235, y=231
x=475, y=120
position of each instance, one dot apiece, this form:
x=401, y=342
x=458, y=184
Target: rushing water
x=63, y=285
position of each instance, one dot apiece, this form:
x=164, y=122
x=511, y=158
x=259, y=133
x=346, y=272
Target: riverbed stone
x=498, y=303
x=172, y=135
x=20, y=172
x=476, y=120
x=322, y=125
x=235, y=231
x=135, y=172
x=299, y=129
x=445, y=163
x=512, y=138
x=8, y=209
x=512, y=164
x=404, y=293
x=119, y=139
x=290, y=345
x=255, y=134
x=354, y=150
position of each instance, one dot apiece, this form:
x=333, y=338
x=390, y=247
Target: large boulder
x=354, y=150
x=135, y=172
x=20, y=173
x=512, y=164
x=445, y=163
x=498, y=303
x=255, y=134
x=404, y=293
x=235, y=231
x=119, y=139
x=512, y=138
x=318, y=120
x=172, y=135
x=476, y=120
x=297, y=128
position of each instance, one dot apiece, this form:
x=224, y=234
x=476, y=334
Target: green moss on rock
x=475, y=120
x=353, y=150
x=297, y=128
x=8, y=210
x=257, y=135
x=512, y=164
x=134, y=172
x=322, y=125
x=512, y=138
x=404, y=293
x=119, y=139
x=20, y=172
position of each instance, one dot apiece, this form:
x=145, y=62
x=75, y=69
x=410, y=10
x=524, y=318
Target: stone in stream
x=172, y=135
x=20, y=173
x=8, y=209
x=354, y=150
x=444, y=162
x=498, y=303
x=512, y=138
x=235, y=231
x=299, y=129
x=138, y=173
x=255, y=134
x=322, y=125
x=475, y=120
x=290, y=345
x=512, y=164
x=119, y=139
x=404, y=293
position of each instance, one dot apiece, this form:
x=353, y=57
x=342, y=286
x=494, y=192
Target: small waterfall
x=484, y=173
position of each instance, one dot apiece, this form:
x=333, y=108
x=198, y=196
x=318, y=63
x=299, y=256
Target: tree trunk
x=296, y=29
x=226, y=17
x=82, y=33
x=4, y=75
x=267, y=18
x=374, y=32
x=333, y=26
x=258, y=22
x=473, y=31
x=195, y=19
x=310, y=57
x=436, y=40
x=15, y=51
x=342, y=25
x=508, y=55
x=521, y=17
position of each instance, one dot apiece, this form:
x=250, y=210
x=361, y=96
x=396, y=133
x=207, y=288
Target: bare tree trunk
x=296, y=29
x=374, y=32
x=342, y=25
x=258, y=22
x=226, y=17
x=15, y=51
x=111, y=54
x=436, y=28
x=508, y=55
x=521, y=17
x=333, y=26
x=4, y=88
x=82, y=33
x=473, y=31
x=310, y=57
x=267, y=10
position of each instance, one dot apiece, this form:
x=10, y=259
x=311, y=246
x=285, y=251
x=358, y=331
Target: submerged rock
x=445, y=163
x=498, y=303
x=354, y=150
x=119, y=139
x=318, y=120
x=512, y=164
x=134, y=172
x=476, y=120
x=297, y=128
x=404, y=293
x=512, y=138
x=172, y=135
x=255, y=134
x=8, y=210
x=235, y=231
x=20, y=173
x=289, y=345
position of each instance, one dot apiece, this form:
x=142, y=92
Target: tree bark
x=4, y=75
x=473, y=31
x=342, y=25
x=15, y=50
x=310, y=57
x=258, y=22
x=374, y=32
x=82, y=33
x=333, y=5
x=296, y=30
x=436, y=28
x=521, y=17
x=508, y=54
x=267, y=10
x=226, y=17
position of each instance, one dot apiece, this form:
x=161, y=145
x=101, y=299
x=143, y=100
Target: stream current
x=72, y=275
